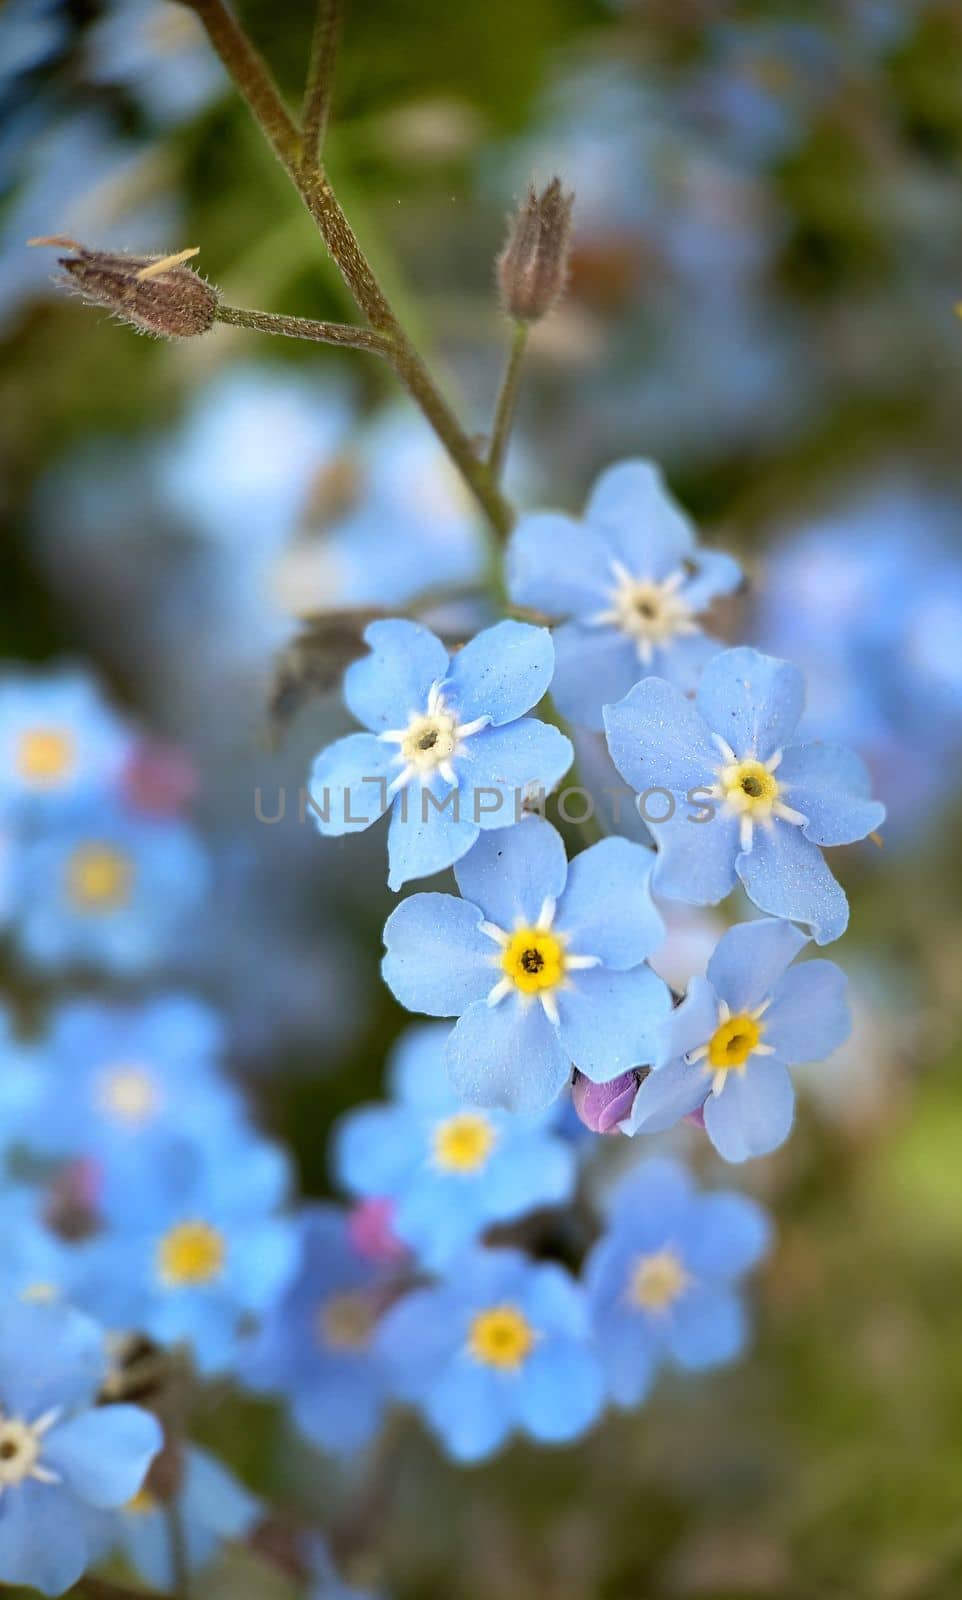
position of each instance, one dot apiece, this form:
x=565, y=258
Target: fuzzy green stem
x=178, y=1548
x=507, y=399
x=339, y=333
x=320, y=77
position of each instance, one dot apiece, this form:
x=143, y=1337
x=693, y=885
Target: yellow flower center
x=346, y=1321
x=533, y=960
x=189, y=1254
x=39, y=1293
x=501, y=1337
x=657, y=1280
x=141, y=1504
x=749, y=787
x=462, y=1143
x=733, y=1041
x=128, y=1094
x=99, y=878
x=45, y=756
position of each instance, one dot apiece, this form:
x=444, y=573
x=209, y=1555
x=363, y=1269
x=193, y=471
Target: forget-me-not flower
x=100, y=888
x=728, y=1046
x=632, y=584
x=449, y=747
x=193, y=1244
x=59, y=741
x=501, y=1344
x=37, y=1266
x=763, y=805
x=452, y=1170
x=543, y=964
x=661, y=1281
x=61, y=1454
x=316, y=1346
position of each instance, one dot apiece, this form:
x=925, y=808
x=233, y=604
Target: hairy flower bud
x=602, y=1107
x=156, y=294
x=533, y=266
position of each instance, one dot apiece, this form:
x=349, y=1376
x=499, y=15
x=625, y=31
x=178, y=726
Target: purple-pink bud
x=603, y=1107
x=533, y=266
x=369, y=1228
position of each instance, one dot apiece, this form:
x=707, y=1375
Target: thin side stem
x=256, y=84
x=507, y=399
x=91, y=1588
x=320, y=77
x=341, y=333
x=178, y=1548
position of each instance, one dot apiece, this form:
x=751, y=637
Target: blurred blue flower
x=100, y=888
x=60, y=1453
x=21, y=1087
x=59, y=741
x=771, y=804
x=325, y=1581
x=116, y=1076
x=214, y=1508
x=632, y=583
x=501, y=1344
x=192, y=1244
x=316, y=1346
x=161, y=51
x=660, y=1282
x=728, y=1046
x=36, y=1265
x=449, y=748
x=452, y=1170
x=543, y=964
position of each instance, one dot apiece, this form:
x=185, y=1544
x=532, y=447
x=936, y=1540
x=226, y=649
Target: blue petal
x=752, y=700
x=728, y=1234
x=594, y=667
x=49, y=1357
x=648, y=532
x=473, y=1409
x=666, y=1096
x=629, y=1358
x=426, y=835
x=348, y=783
x=437, y=959
x=416, y=1071
x=43, y=1543
x=658, y=740
x=809, y=1015
x=214, y=1497
x=507, y=1055
x=263, y=1257
x=527, y=1171
x=384, y=689
x=502, y=766
x=501, y=673
x=753, y=1114
x=785, y=874
x=416, y=1338
x=657, y=1188
x=684, y=659
x=717, y=573
x=610, y=1021
x=554, y=1301
x=558, y=565
x=830, y=785
x=690, y=1024
x=607, y=909
x=708, y=1328
x=439, y=1217
x=511, y=873
x=343, y=1408
x=696, y=860
x=103, y=1455
x=377, y=1148
x=561, y=1391
x=750, y=959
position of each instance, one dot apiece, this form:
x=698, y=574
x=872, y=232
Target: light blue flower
x=316, y=1345
x=193, y=1245
x=161, y=52
x=59, y=742
x=632, y=583
x=36, y=1265
x=214, y=1508
x=452, y=1170
x=326, y=1582
x=100, y=888
x=543, y=964
x=762, y=805
x=115, y=1076
x=728, y=1046
x=449, y=748
x=60, y=1453
x=661, y=1281
x=500, y=1345
x=21, y=1086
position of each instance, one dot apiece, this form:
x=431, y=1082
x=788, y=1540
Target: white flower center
x=749, y=790
x=649, y=612
x=430, y=742
x=20, y=1446
x=127, y=1094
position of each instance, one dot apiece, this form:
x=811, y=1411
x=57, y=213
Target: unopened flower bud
x=156, y=294
x=603, y=1107
x=533, y=266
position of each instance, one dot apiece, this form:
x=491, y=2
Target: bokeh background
x=767, y=255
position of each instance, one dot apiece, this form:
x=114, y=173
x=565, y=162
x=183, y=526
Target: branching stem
x=320, y=77
x=507, y=399
x=341, y=333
